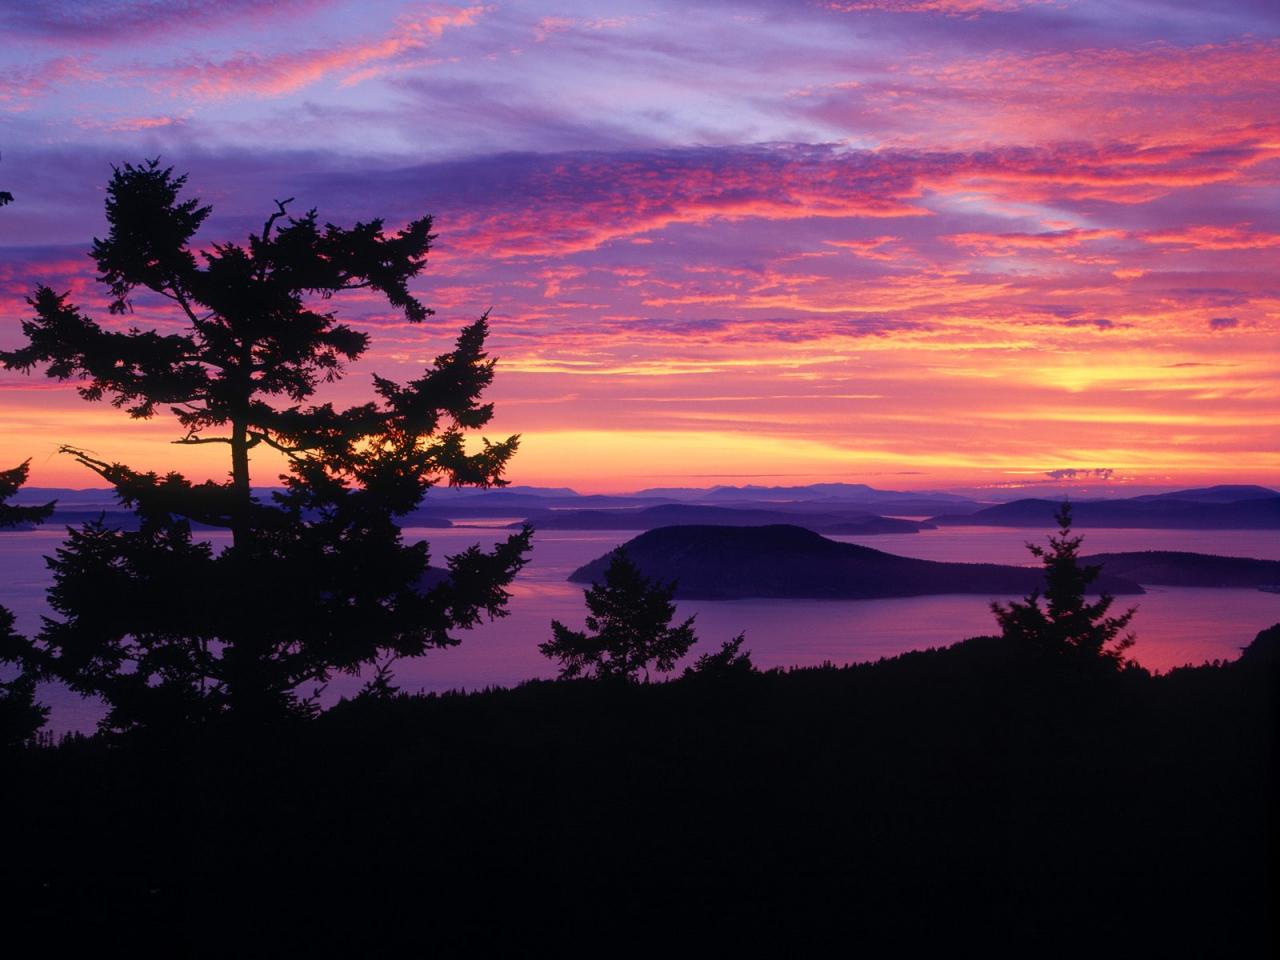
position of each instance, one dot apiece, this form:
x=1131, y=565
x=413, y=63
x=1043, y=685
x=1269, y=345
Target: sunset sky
x=912, y=244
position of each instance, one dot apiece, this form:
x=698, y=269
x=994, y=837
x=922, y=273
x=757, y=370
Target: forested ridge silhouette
x=977, y=794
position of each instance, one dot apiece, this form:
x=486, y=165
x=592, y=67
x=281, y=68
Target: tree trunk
x=240, y=483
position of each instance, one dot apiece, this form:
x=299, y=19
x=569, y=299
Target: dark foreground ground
x=962, y=800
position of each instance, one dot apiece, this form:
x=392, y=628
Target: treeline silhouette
x=1032, y=792
x=980, y=794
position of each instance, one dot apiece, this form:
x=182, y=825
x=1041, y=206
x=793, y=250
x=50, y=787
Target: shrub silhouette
x=629, y=628
x=317, y=579
x=1067, y=624
x=20, y=716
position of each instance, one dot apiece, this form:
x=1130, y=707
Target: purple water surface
x=1174, y=626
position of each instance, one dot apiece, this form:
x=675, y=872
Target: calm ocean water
x=1174, y=626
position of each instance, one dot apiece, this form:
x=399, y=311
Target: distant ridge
x=852, y=523
x=1222, y=493
x=1182, y=510
x=836, y=508
x=812, y=491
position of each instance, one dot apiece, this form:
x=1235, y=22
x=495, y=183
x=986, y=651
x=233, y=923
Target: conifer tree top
x=1067, y=623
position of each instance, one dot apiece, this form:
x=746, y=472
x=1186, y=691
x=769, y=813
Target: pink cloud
x=1003, y=244
x=585, y=203
x=19, y=86
x=875, y=248
x=581, y=202
x=101, y=23
x=273, y=75
x=1207, y=237
x=546, y=27
x=1226, y=68
x=1153, y=92
x=127, y=124
x=947, y=7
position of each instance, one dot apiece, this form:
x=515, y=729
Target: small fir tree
x=628, y=628
x=1067, y=624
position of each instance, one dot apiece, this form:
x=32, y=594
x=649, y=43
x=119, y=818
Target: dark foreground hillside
x=969, y=796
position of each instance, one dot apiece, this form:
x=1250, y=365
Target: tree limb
x=271, y=220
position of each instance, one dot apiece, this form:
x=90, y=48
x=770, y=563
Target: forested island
x=792, y=562
x=779, y=561
x=1179, y=568
x=1236, y=507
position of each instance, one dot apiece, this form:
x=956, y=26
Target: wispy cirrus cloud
x=1212, y=237
x=548, y=27
x=954, y=8
x=21, y=86
x=1004, y=243
x=1150, y=92
x=101, y=22
x=277, y=74
x=575, y=202
x=127, y=124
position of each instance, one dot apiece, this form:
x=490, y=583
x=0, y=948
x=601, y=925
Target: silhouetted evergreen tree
x=20, y=715
x=1067, y=624
x=629, y=628
x=317, y=579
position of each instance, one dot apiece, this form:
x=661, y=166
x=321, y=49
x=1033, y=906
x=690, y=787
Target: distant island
x=1210, y=508
x=1176, y=568
x=786, y=561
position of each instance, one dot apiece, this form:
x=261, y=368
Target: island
x=1177, y=568
x=787, y=561
x=1227, y=507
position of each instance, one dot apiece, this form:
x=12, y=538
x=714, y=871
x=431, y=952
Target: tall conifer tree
x=317, y=578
